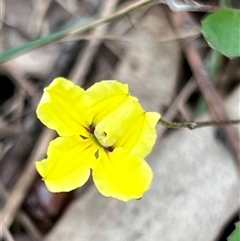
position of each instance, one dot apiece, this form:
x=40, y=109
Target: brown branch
x=183, y=22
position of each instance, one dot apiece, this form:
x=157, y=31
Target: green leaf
x=222, y=31
x=235, y=235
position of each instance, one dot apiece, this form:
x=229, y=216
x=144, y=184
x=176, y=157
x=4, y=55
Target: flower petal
x=106, y=96
x=68, y=164
x=139, y=134
x=64, y=107
x=121, y=176
x=115, y=124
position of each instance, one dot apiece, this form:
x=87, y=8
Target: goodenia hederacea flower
x=103, y=129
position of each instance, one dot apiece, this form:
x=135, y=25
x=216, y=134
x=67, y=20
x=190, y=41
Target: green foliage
x=235, y=235
x=222, y=31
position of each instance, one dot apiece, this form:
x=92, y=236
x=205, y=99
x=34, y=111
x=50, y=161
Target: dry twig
x=17, y=195
x=84, y=59
x=213, y=99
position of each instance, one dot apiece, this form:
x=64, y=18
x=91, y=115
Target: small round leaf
x=222, y=31
x=235, y=234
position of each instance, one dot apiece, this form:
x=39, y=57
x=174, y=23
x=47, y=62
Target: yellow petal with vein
x=117, y=123
x=64, y=107
x=139, y=134
x=122, y=176
x=68, y=163
x=106, y=96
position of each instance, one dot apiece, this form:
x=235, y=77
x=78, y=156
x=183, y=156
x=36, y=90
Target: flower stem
x=193, y=125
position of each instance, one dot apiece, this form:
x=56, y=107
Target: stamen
x=92, y=128
x=96, y=154
x=84, y=137
x=109, y=149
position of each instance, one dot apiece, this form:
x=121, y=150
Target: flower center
x=101, y=138
x=107, y=131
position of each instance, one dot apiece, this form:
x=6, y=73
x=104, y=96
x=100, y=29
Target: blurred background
x=169, y=66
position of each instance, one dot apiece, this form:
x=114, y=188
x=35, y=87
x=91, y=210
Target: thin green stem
x=71, y=30
x=193, y=125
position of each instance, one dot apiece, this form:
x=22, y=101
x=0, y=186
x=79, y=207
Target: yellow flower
x=103, y=129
